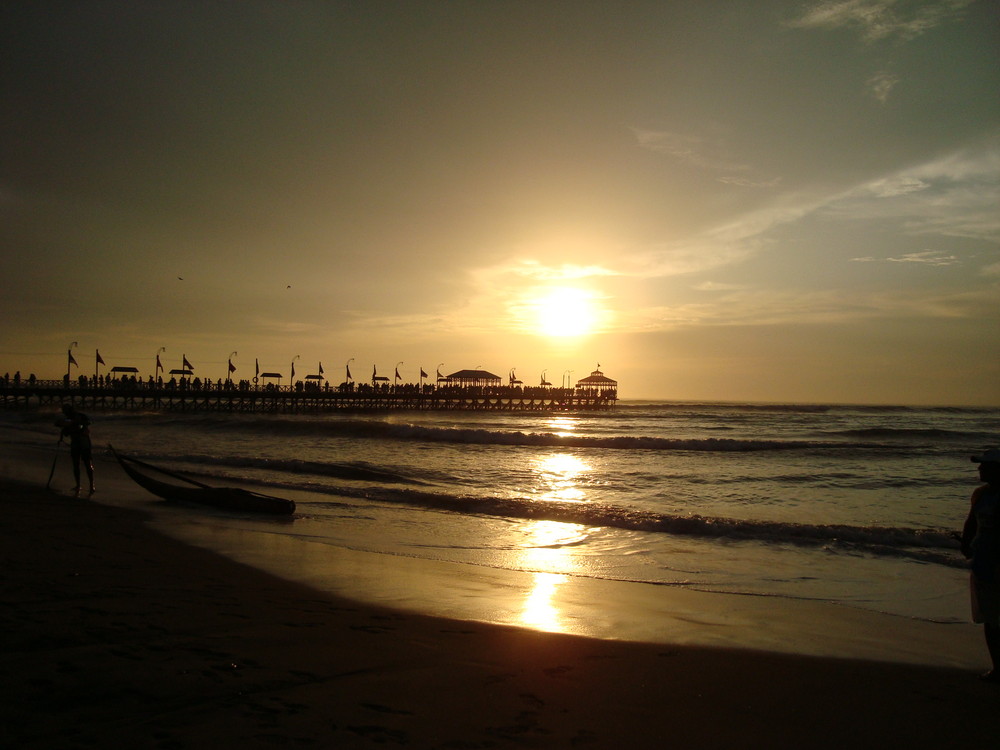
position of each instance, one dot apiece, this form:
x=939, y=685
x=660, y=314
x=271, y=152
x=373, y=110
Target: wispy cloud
x=880, y=19
x=881, y=84
x=782, y=307
x=924, y=257
x=902, y=184
x=533, y=269
x=955, y=195
x=715, y=286
x=695, y=150
x=708, y=153
x=746, y=182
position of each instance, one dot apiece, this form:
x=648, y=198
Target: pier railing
x=244, y=396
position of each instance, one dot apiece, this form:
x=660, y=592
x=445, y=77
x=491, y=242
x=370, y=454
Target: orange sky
x=770, y=201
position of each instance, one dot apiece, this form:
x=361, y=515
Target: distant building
x=474, y=379
x=597, y=381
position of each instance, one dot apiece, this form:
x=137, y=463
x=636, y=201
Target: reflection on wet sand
x=548, y=545
x=540, y=611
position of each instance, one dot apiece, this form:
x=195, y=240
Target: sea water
x=856, y=505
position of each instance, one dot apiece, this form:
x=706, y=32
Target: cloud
x=689, y=149
x=744, y=182
x=533, y=269
x=924, y=257
x=955, y=195
x=902, y=184
x=881, y=84
x=698, y=151
x=757, y=307
x=726, y=244
x=715, y=286
x=880, y=19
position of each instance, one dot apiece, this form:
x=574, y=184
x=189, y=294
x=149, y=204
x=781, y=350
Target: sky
x=778, y=200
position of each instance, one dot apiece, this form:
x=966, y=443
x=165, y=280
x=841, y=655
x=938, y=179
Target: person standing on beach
x=981, y=544
x=76, y=427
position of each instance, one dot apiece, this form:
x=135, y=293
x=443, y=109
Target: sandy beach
x=116, y=635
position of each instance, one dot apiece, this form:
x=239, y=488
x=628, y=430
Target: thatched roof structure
x=479, y=378
x=597, y=380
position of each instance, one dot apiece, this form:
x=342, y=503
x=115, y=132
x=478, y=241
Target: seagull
x=181, y=278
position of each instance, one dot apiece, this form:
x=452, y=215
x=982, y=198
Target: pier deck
x=270, y=399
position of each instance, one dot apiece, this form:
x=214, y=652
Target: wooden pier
x=243, y=398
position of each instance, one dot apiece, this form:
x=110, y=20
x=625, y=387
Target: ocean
x=855, y=505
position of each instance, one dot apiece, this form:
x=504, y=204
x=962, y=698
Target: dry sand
x=116, y=636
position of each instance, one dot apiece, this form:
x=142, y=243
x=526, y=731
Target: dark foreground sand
x=117, y=637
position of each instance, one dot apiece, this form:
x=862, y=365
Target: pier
x=245, y=397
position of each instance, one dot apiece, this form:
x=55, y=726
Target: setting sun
x=565, y=311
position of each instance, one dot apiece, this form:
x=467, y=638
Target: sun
x=565, y=312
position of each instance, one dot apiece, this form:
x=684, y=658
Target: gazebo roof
x=596, y=378
x=473, y=375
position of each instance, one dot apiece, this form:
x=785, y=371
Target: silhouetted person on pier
x=981, y=543
x=76, y=428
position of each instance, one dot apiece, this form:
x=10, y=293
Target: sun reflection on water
x=558, y=477
x=563, y=426
x=547, y=551
x=548, y=547
x=540, y=611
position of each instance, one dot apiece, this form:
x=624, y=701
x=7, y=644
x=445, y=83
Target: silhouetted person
x=76, y=428
x=981, y=543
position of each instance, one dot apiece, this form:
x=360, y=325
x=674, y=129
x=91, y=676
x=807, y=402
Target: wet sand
x=117, y=636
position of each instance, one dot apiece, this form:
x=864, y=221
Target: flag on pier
x=397, y=374
x=349, y=373
x=71, y=360
x=185, y=364
x=320, y=368
x=232, y=367
x=422, y=373
x=100, y=359
x=159, y=365
x=257, y=366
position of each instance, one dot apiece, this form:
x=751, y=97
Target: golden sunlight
x=558, y=476
x=566, y=311
x=548, y=551
x=540, y=611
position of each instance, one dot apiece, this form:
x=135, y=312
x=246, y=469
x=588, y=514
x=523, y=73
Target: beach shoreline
x=119, y=635
x=578, y=604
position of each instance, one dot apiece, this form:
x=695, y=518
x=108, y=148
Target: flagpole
x=69, y=358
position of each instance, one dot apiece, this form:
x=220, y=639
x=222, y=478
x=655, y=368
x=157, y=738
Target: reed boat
x=227, y=498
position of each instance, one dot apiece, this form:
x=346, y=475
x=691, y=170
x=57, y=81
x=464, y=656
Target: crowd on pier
x=443, y=387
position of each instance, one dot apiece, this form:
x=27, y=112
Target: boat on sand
x=227, y=498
